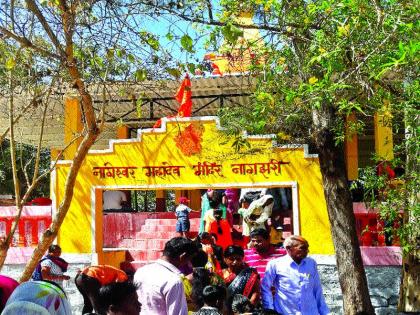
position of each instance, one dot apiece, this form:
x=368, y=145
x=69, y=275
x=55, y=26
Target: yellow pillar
x=54, y=153
x=351, y=149
x=383, y=136
x=73, y=126
x=123, y=132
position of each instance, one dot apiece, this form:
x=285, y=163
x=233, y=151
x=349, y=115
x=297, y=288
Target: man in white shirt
x=114, y=200
x=160, y=287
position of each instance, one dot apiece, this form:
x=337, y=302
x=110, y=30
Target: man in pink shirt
x=261, y=251
x=160, y=287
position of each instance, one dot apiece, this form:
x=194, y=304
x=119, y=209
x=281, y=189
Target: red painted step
x=162, y=228
x=161, y=235
x=146, y=243
x=170, y=222
x=157, y=244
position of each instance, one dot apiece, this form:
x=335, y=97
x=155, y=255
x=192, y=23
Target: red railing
x=370, y=228
x=33, y=222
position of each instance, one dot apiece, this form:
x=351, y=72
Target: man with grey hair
x=295, y=278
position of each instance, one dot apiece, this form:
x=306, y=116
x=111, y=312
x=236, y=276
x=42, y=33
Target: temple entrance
x=123, y=228
x=153, y=170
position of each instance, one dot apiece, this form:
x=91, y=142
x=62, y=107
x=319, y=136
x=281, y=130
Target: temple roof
x=137, y=106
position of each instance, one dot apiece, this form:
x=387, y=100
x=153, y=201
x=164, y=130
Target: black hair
x=219, y=212
x=53, y=248
x=214, y=203
x=260, y=232
x=213, y=294
x=176, y=246
x=241, y=304
x=114, y=293
x=203, y=235
x=233, y=250
x=200, y=259
x=201, y=279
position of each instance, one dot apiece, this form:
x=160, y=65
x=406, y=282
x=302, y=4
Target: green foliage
x=187, y=43
x=343, y=55
x=231, y=33
x=25, y=156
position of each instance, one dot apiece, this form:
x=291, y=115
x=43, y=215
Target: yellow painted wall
x=155, y=148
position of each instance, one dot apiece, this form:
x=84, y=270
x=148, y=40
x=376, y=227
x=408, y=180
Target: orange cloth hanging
x=184, y=98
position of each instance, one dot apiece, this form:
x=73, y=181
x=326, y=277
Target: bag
x=37, y=274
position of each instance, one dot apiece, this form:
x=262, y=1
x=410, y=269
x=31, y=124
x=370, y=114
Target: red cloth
x=41, y=201
x=184, y=98
x=385, y=168
x=216, y=69
x=224, y=239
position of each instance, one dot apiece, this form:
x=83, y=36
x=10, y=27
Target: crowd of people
x=192, y=277
x=206, y=275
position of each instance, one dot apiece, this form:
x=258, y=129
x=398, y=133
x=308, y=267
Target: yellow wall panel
x=168, y=158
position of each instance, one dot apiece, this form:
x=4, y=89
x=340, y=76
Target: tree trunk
x=351, y=272
x=409, y=300
x=410, y=283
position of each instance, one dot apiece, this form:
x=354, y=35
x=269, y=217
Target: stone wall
x=384, y=284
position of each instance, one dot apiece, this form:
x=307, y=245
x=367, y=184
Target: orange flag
x=184, y=98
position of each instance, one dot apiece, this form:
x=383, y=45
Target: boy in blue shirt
x=182, y=214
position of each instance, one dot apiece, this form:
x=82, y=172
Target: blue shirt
x=298, y=288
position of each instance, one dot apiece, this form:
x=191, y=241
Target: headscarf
x=7, y=286
x=259, y=203
x=38, y=298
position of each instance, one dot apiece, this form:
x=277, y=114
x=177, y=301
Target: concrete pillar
x=123, y=132
x=73, y=126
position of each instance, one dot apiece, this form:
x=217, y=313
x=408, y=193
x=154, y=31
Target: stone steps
x=164, y=228
x=147, y=244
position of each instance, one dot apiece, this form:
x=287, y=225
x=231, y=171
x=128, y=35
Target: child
x=182, y=215
x=241, y=305
x=213, y=296
x=221, y=228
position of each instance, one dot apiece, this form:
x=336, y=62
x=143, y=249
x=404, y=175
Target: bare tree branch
x=32, y=6
x=25, y=42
